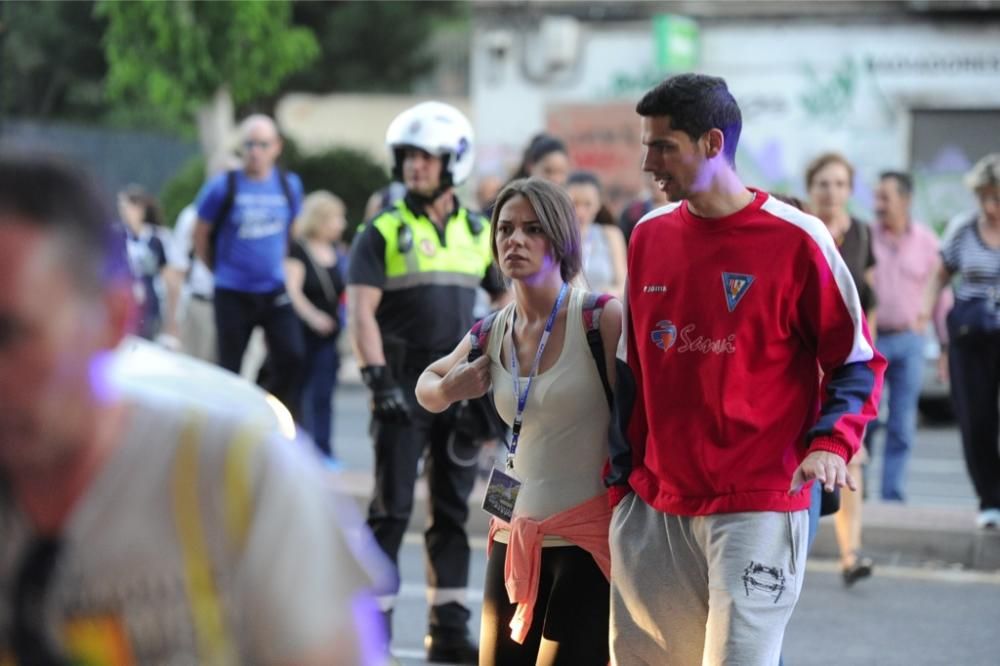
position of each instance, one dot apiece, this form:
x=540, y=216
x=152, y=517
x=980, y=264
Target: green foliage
x=350, y=174
x=53, y=64
x=175, y=55
x=182, y=189
x=371, y=46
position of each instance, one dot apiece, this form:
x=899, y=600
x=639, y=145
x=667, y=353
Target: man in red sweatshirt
x=752, y=375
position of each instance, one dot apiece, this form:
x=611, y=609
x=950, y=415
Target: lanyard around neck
x=521, y=398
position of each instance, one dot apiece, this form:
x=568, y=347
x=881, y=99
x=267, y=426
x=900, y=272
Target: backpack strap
x=593, y=306
x=479, y=336
x=220, y=217
x=286, y=189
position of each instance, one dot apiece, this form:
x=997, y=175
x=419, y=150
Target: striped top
x=968, y=256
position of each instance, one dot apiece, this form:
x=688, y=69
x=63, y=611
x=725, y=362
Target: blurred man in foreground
x=135, y=530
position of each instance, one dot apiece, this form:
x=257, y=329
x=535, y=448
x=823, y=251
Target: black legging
x=974, y=361
x=570, y=622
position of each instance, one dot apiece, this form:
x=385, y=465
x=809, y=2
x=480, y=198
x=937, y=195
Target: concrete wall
x=318, y=122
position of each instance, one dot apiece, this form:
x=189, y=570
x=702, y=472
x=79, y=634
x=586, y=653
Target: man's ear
x=715, y=142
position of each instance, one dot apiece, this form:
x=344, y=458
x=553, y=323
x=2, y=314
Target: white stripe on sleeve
x=861, y=351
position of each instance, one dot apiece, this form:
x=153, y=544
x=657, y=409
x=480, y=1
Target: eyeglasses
x=250, y=145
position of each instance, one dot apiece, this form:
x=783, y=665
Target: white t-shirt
x=179, y=254
x=285, y=587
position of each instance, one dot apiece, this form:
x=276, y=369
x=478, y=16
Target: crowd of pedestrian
x=682, y=392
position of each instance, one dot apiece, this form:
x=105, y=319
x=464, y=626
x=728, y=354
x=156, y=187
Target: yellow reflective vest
x=416, y=253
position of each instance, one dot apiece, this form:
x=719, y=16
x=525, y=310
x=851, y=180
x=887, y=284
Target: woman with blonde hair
x=546, y=597
x=315, y=284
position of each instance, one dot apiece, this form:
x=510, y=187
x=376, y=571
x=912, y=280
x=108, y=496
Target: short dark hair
x=904, y=181
x=555, y=213
x=60, y=199
x=139, y=196
x=541, y=145
x=696, y=103
x=585, y=178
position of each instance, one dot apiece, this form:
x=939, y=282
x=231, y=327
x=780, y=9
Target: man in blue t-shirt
x=244, y=218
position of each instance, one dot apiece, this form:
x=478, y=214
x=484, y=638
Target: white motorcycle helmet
x=438, y=129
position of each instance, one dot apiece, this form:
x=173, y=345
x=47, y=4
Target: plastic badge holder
x=501, y=494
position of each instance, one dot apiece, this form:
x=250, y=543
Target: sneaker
x=988, y=519
x=861, y=569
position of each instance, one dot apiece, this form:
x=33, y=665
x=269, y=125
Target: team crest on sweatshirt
x=664, y=335
x=736, y=286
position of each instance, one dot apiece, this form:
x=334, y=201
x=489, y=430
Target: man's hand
x=826, y=468
x=388, y=402
x=466, y=381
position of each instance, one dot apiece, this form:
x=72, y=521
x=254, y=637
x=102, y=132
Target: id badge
x=501, y=494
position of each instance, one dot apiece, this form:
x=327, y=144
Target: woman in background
x=604, y=255
x=315, y=284
x=545, y=157
x=829, y=183
x=146, y=242
x=972, y=253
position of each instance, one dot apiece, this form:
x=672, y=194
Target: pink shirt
x=903, y=267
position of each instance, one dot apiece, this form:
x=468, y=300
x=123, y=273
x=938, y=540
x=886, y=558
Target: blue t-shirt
x=253, y=242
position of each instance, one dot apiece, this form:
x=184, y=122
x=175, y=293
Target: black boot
x=448, y=640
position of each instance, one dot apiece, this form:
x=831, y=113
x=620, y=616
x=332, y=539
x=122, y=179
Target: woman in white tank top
x=603, y=244
x=552, y=556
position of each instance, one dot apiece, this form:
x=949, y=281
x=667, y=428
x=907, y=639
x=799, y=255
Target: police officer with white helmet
x=414, y=272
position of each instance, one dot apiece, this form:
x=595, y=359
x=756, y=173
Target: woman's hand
x=466, y=381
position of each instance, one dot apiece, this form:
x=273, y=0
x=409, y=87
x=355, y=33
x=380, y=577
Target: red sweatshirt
x=729, y=323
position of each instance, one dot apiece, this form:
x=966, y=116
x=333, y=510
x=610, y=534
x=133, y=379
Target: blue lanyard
x=521, y=399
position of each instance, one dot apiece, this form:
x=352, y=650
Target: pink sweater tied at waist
x=585, y=525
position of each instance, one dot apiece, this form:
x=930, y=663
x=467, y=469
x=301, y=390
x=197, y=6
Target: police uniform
x=429, y=277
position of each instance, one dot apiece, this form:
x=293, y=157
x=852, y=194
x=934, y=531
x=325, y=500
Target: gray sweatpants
x=688, y=590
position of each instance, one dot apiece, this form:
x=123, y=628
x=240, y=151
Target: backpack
x=230, y=199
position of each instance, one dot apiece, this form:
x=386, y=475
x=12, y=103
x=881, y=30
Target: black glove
x=388, y=402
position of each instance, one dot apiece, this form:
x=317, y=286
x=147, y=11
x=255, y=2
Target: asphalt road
x=915, y=615
x=905, y=616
